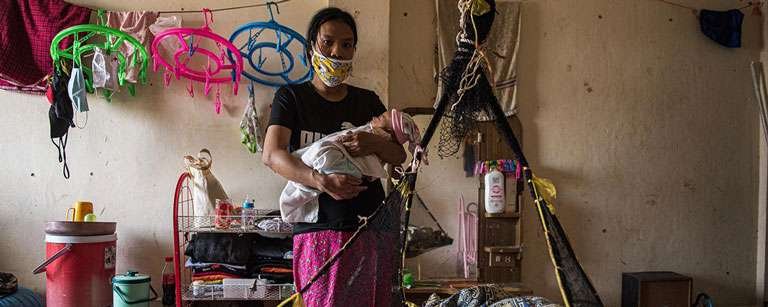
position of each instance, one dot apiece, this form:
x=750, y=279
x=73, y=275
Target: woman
x=303, y=113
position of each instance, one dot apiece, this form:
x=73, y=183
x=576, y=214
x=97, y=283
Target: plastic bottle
x=494, y=191
x=169, y=282
x=248, y=214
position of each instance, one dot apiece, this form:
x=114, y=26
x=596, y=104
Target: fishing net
x=466, y=95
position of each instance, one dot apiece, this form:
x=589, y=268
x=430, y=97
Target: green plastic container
x=132, y=290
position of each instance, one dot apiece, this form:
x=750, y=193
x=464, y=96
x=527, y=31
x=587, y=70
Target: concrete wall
x=649, y=131
x=647, y=128
x=129, y=156
x=371, y=57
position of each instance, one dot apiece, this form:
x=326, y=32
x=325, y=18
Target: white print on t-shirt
x=309, y=137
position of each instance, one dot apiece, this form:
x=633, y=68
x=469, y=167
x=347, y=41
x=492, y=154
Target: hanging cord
x=470, y=76
x=269, y=3
x=748, y=5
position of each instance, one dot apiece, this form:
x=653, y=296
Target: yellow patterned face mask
x=331, y=71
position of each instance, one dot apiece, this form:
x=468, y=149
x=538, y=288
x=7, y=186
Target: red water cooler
x=78, y=270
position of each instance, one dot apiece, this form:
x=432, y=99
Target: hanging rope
x=227, y=8
x=748, y=5
x=195, y=11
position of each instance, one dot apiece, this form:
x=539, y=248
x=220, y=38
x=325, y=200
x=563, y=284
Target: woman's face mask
x=331, y=71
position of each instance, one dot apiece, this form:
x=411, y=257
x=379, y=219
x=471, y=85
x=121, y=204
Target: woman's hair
x=323, y=16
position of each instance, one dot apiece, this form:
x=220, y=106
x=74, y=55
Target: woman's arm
x=364, y=143
x=277, y=158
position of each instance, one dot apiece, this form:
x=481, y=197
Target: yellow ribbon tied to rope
x=546, y=189
x=294, y=301
x=480, y=7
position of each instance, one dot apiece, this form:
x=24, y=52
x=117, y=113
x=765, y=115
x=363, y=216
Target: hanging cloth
x=251, y=126
x=60, y=116
x=502, y=46
x=27, y=28
x=137, y=25
x=722, y=27
x=164, y=23
x=76, y=90
x=105, y=70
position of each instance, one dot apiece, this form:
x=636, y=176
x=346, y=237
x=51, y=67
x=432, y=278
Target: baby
x=298, y=203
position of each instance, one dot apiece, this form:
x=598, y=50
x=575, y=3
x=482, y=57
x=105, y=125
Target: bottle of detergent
x=494, y=191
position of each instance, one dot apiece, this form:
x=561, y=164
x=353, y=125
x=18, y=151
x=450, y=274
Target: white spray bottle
x=494, y=191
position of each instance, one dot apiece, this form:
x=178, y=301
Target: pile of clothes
x=216, y=256
x=490, y=296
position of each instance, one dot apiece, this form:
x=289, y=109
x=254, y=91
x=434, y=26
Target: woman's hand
x=338, y=186
x=361, y=143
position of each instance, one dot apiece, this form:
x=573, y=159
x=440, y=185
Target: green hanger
x=113, y=40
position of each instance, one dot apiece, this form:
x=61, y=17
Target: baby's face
x=382, y=121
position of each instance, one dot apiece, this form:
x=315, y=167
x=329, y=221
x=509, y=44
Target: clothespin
x=218, y=99
x=191, y=45
x=191, y=89
x=207, y=87
x=166, y=78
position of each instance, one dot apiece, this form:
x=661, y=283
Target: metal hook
x=269, y=8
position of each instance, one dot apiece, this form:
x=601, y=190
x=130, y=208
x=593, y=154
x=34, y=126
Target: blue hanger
x=252, y=51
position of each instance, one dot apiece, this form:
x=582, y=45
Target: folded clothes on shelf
x=213, y=277
x=277, y=278
x=276, y=270
x=236, y=249
x=190, y=264
x=219, y=269
x=274, y=224
x=220, y=248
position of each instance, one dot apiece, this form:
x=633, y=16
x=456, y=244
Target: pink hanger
x=216, y=63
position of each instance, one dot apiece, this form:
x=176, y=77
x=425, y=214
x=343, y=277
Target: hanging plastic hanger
x=252, y=50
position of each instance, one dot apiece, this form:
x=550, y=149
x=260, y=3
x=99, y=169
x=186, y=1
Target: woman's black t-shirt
x=310, y=117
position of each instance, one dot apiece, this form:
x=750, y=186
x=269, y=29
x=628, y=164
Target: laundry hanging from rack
x=135, y=23
x=164, y=23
